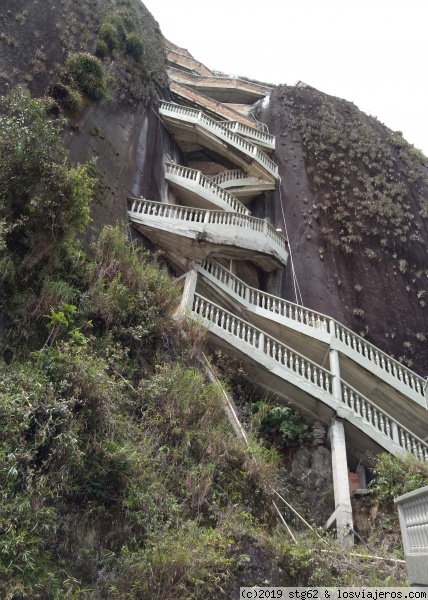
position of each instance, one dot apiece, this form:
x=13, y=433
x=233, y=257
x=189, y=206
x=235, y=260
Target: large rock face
x=355, y=200
x=121, y=134
x=354, y=193
x=311, y=466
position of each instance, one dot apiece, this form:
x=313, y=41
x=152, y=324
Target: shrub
x=108, y=34
x=128, y=294
x=41, y=197
x=43, y=203
x=397, y=475
x=134, y=46
x=68, y=99
x=279, y=421
x=87, y=73
x=119, y=26
x=192, y=562
x=101, y=49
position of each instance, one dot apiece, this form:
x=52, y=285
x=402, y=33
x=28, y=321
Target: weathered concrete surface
x=223, y=89
x=342, y=500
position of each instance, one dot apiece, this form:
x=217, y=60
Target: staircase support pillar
x=186, y=303
x=342, y=498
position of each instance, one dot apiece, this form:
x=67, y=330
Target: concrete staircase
x=205, y=232
x=223, y=89
x=371, y=401
x=195, y=188
x=181, y=120
x=306, y=380
x=285, y=318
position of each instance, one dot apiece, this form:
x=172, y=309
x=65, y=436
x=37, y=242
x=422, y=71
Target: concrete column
x=342, y=499
x=362, y=479
x=335, y=371
x=189, y=289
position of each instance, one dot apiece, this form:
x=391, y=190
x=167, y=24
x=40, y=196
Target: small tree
x=44, y=201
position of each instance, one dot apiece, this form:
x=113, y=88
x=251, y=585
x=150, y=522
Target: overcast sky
x=371, y=52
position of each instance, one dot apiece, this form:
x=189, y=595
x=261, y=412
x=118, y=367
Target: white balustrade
x=229, y=176
x=383, y=422
x=413, y=511
x=245, y=130
x=271, y=347
x=266, y=301
x=379, y=358
x=319, y=321
x=176, y=110
x=378, y=419
x=193, y=175
x=201, y=215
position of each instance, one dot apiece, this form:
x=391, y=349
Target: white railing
x=201, y=215
x=229, y=176
x=220, y=110
x=383, y=422
x=241, y=129
x=266, y=344
x=319, y=321
x=273, y=304
x=236, y=176
x=379, y=358
x=207, y=184
x=176, y=110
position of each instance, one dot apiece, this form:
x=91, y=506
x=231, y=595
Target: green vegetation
x=68, y=99
x=43, y=204
x=278, y=422
x=134, y=46
x=119, y=472
x=101, y=50
x=109, y=35
x=86, y=72
x=115, y=31
x=368, y=188
x=396, y=476
x=368, y=211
